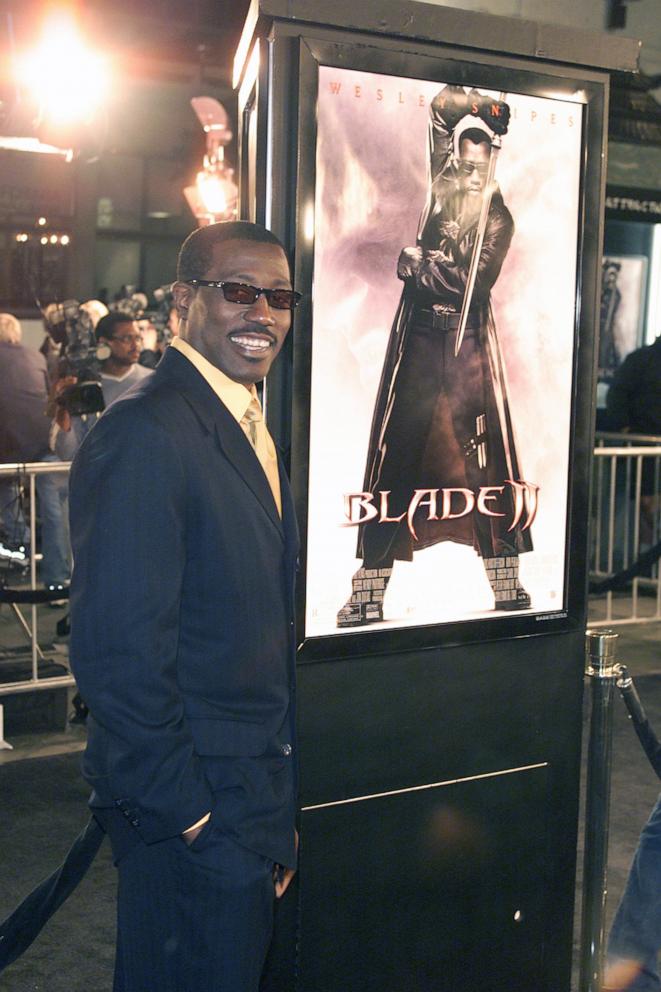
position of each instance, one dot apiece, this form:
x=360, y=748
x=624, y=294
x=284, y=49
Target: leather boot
x=365, y=604
x=503, y=576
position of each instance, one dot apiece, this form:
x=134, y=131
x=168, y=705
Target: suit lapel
x=220, y=423
x=239, y=451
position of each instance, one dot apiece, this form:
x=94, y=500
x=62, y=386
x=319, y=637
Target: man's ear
x=182, y=294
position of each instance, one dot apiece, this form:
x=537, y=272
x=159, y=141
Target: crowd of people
x=38, y=425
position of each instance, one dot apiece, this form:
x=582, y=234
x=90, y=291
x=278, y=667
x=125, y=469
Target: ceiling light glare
x=67, y=79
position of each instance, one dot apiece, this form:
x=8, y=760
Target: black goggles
x=466, y=168
x=241, y=292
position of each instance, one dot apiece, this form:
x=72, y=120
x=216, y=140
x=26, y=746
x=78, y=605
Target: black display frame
x=413, y=59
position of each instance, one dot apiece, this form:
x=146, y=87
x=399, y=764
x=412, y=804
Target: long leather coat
x=433, y=410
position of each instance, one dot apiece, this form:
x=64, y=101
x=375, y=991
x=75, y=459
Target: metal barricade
x=26, y=475
x=625, y=530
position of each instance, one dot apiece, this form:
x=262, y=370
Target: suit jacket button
x=286, y=750
x=135, y=822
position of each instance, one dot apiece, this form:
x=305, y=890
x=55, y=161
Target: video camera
x=71, y=327
x=137, y=305
x=130, y=302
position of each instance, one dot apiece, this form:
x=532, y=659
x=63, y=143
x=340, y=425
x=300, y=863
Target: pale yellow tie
x=257, y=433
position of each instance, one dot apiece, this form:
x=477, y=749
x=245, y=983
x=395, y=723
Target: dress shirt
x=243, y=403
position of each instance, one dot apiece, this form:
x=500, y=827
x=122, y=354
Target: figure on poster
x=608, y=313
x=442, y=418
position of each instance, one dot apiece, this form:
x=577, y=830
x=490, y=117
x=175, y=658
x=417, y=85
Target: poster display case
x=444, y=477
x=441, y=491
x=438, y=177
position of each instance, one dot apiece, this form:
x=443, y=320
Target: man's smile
x=255, y=342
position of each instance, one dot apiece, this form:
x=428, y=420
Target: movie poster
x=440, y=397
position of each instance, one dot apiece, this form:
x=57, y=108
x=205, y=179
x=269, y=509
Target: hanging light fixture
x=214, y=196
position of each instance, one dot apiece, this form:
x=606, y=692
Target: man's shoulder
x=499, y=212
x=138, y=421
x=20, y=356
x=168, y=399
x=149, y=396
x=156, y=402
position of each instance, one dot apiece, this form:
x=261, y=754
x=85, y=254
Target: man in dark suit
x=182, y=635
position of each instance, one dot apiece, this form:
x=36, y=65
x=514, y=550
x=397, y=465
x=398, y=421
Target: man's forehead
x=473, y=149
x=234, y=257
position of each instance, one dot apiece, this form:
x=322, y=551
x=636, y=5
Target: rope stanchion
x=27, y=921
x=646, y=736
x=8, y=595
x=604, y=672
x=601, y=672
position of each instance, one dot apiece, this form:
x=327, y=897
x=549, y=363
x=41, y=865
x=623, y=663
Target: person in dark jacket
x=24, y=437
x=633, y=406
x=633, y=402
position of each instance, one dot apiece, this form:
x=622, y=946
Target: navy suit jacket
x=182, y=632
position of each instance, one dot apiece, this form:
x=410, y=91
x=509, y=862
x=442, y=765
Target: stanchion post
x=601, y=670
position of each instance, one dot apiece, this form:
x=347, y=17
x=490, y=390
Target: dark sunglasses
x=466, y=168
x=241, y=292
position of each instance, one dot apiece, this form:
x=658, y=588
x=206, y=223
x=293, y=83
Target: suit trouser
x=193, y=919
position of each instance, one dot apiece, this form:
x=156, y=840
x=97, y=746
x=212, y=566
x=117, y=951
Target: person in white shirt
x=120, y=335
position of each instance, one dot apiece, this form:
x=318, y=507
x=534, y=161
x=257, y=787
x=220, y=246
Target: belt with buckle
x=445, y=320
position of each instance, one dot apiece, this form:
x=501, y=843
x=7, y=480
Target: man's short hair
x=196, y=254
x=475, y=134
x=10, y=328
x=107, y=326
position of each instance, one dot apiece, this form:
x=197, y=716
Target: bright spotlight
x=67, y=80
x=214, y=195
x=212, y=192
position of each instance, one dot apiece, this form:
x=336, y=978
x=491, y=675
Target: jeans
x=53, y=493
x=636, y=930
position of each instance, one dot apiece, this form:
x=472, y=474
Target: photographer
x=119, y=346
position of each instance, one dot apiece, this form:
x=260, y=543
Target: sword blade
x=477, y=246
x=479, y=239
